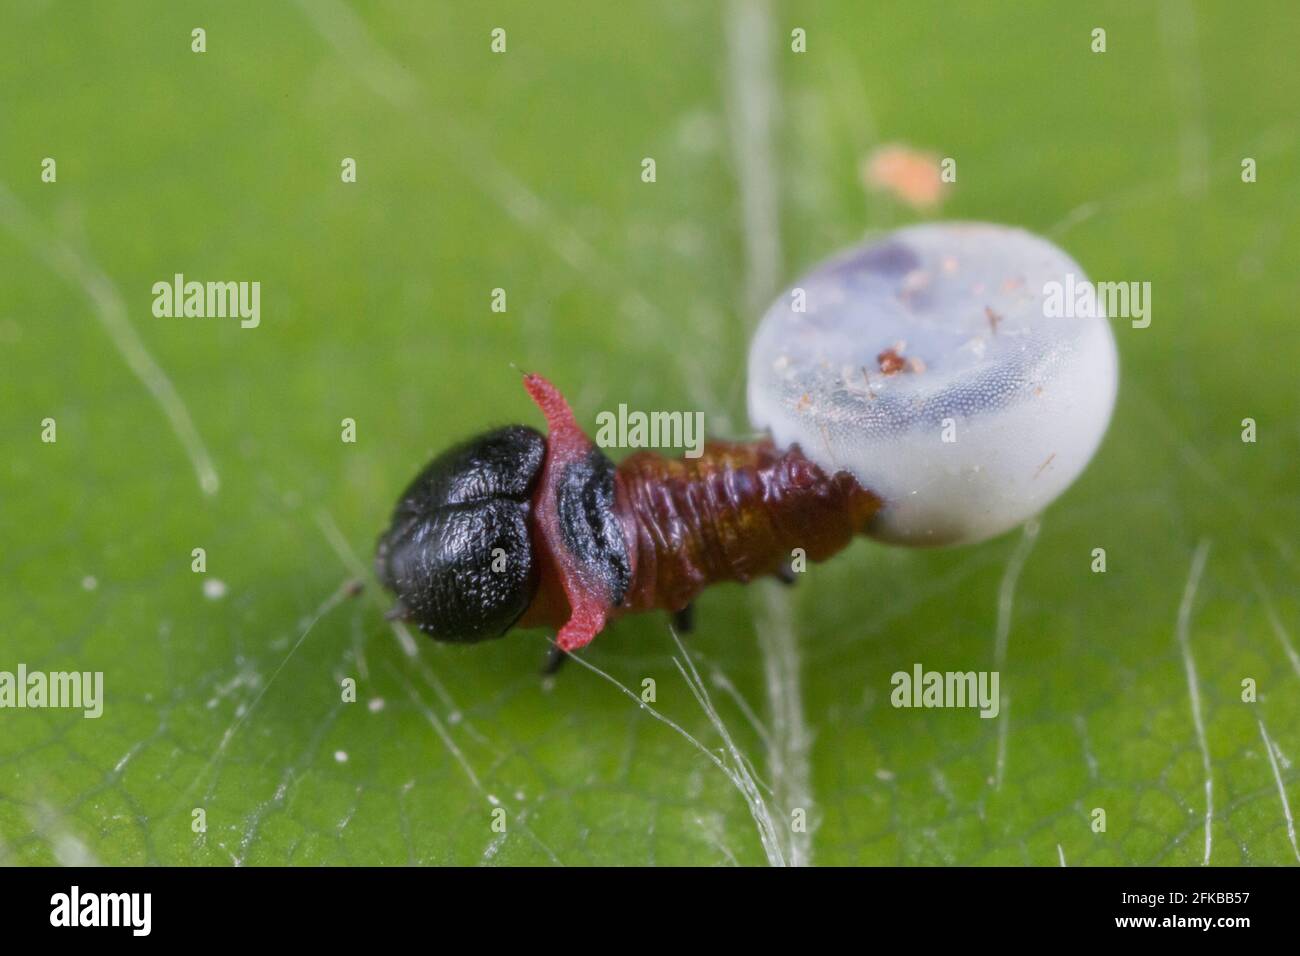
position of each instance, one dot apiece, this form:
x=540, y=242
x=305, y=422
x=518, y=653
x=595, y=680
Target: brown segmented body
x=735, y=513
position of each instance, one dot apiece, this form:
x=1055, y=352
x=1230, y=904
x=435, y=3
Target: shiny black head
x=458, y=553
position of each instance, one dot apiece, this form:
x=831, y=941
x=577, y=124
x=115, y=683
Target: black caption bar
x=332, y=907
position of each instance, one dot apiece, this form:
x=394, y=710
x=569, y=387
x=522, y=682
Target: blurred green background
x=522, y=171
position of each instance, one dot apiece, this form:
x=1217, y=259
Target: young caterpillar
x=912, y=388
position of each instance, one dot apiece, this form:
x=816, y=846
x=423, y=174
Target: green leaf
x=522, y=171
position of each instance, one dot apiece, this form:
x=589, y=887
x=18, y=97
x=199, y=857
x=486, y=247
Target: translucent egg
x=924, y=364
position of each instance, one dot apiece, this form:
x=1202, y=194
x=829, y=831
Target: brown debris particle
x=1044, y=464
x=993, y=318
x=890, y=361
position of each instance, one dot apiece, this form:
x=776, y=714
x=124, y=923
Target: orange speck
x=909, y=175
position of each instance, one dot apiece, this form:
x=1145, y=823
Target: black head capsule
x=457, y=552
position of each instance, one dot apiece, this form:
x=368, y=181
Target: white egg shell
x=997, y=407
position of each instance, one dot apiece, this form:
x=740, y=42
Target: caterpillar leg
x=684, y=620
x=555, y=659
